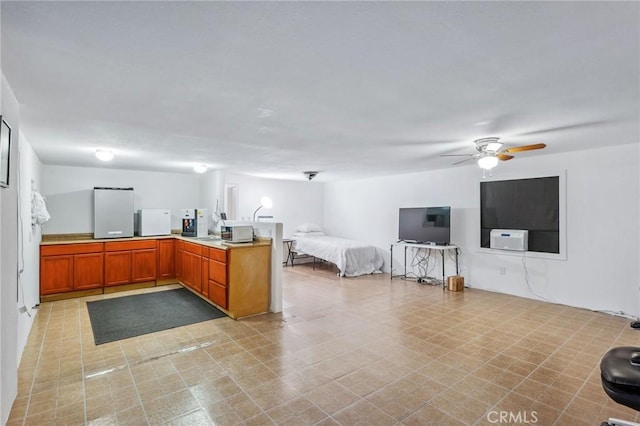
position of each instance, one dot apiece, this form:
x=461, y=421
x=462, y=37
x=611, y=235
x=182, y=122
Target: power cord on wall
x=526, y=277
x=22, y=309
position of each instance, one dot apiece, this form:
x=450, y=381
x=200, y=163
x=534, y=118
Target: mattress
x=352, y=257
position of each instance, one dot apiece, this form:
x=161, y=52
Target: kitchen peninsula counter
x=50, y=239
x=236, y=277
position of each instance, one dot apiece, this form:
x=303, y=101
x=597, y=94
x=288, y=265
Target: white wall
x=29, y=249
x=69, y=194
x=294, y=202
x=601, y=268
x=211, y=185
x=9, y=260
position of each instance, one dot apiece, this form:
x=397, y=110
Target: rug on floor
x=129, y=316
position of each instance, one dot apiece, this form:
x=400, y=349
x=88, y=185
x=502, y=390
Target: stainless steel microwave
x=237, y=233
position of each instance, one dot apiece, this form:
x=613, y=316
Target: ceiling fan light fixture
x=494, y=146
x=488, y=162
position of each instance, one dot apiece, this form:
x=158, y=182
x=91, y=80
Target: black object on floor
x=635, y=324
x=129, y=316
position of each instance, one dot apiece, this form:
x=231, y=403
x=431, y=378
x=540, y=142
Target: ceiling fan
x=491, y=151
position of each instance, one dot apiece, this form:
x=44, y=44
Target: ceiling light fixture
x=104, y=154
x=200, y=168
x=494, y=146
x=488, y=162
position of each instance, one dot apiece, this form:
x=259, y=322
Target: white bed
x=352, y=258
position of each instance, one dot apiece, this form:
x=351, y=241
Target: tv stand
x=427, y=246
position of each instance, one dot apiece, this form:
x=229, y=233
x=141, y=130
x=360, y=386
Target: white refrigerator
x=113, y=212
x=153, y=222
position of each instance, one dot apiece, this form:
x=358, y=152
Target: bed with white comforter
x=352, y=258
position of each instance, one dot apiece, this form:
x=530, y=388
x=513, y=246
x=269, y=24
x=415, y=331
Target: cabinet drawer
x=61, y=249
x=218, y=272
x=218, y=294
x=217, y=254
x=129, y=245
x=195, y=248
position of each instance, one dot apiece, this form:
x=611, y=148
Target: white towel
x=39, y=213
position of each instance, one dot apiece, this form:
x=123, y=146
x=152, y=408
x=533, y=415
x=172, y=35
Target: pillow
x=308, y=234
x=309, y=227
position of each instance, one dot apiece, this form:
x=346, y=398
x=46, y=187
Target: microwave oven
x=237, y=233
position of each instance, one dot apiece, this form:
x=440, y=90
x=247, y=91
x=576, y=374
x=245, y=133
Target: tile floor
x=349, y=351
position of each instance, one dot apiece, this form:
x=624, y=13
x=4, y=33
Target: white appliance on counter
x=195, y=223
x=153, y=222
x=113, y=212
x=237, y=233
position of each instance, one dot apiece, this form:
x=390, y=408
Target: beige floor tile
x=344, y=351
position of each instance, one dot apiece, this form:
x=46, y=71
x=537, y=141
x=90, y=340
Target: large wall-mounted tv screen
x=531, y=204
x=425, y=225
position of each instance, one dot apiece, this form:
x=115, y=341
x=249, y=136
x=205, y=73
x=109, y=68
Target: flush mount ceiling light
x=104, y=154
x=200, y=168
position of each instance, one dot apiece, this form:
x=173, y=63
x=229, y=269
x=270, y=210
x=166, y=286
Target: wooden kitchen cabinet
x=127, y=262
x=240, y=279
x=178, y=258
x=117, y=268
x=144, y=265
x=193, y=262
x=248, y=280
x=192, y=270
x=88, y=271
x=236, y=278
x=218, y=294
x=56, y=274
x=218, y=277
x=70, y=267
x=166, y=258
x=204, y=271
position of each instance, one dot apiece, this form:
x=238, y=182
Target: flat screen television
x=425, y=225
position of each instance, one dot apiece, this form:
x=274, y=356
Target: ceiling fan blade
x=462, y=161
x=504, y=157
x=567, y=127
x=457, y=155
x=524, y=148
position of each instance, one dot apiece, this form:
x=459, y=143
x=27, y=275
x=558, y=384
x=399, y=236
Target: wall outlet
x=22, y=309
x=503, y=270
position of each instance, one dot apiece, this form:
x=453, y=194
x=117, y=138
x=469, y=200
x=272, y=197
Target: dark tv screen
x=531, y=204
x=425, y=225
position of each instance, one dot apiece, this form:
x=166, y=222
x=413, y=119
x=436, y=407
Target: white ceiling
x=353, y=89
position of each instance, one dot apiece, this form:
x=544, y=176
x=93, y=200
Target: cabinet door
x=87, y=271
x=178, y=257
x=218, y=272
x=204, y=268
x=56, y=274
x=166, y=258
x=196, y=262
x=186, y=268
x=117, y=268
x=144, y=263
